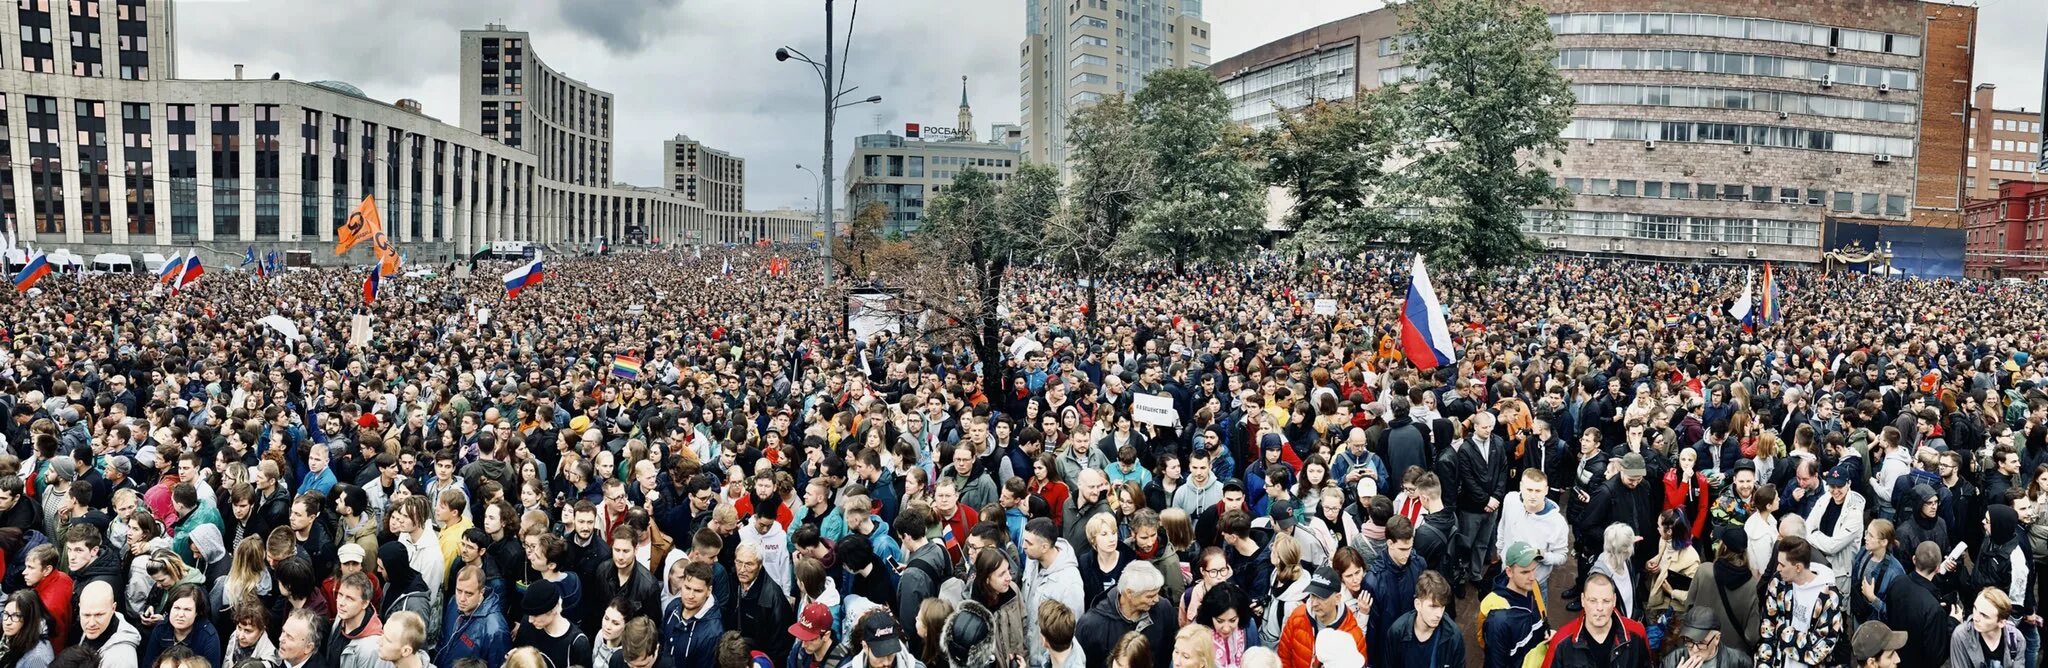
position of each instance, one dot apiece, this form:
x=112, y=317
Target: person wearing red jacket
x=1600, y=637
x=1686, y=489
x=54, y=587
x=1324, y=613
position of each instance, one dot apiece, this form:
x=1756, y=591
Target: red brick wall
x=1946, y=73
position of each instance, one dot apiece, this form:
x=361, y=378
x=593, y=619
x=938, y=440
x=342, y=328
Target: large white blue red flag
x=519, y=279
x=1425, y=338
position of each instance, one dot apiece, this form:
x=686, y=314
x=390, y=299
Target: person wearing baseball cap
x=1699, y=643
x=1835, y=525
x=1301, y=636
x=1876, y=645
x=815, y=646
x=881, y=641
x=1511, y=621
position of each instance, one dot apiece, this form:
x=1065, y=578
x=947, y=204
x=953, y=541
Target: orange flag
x=363, y=225
x=387, y=253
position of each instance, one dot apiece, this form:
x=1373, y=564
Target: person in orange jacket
x=1324, y=614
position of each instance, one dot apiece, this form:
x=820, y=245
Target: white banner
x=1326, y=307
x=1154, y=409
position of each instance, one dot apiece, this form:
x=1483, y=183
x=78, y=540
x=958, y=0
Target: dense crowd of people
x=684, y=460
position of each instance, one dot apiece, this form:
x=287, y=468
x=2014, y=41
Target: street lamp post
x=830, y=75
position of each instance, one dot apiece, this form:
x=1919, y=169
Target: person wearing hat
x=1876, y=645
x=1728, y=587
x=1623, y=499
x=545, y=628
x=1301, y=637
x=815, y=645
x=351, y=558
x=1699, y=644
x=881, y=642
x=1511, y=617
x=1835, y=526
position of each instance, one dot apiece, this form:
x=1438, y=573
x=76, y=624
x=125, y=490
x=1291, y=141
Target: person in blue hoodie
x=474, y=623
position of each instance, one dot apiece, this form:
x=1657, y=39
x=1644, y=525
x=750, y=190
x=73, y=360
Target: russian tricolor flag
x=371, y=284
x=35, y=271
x=522, y=278
x=192, y=271
x=170, y=270
x=1425, y=337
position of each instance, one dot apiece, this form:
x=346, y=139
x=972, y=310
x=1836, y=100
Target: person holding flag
x=1425, y=336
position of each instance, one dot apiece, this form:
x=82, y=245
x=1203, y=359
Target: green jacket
x=181, y=540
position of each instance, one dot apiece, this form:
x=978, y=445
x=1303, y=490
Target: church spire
x=966, y=129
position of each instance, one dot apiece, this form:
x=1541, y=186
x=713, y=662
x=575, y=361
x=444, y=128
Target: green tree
x=1330, y=158
x=1476, y=126
x=1208, y=203
x=1111, y=181
x=971, y=233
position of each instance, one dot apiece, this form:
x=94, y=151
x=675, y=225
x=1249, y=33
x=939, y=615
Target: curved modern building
x=104, y=149
x=1713, y=128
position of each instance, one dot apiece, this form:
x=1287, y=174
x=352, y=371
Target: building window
x=227, y=171
x=137, y=168
x=46, y=178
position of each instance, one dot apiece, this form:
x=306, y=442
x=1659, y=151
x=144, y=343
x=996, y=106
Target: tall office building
x=1079, y=51
x=705, y=175
x=1712, y=129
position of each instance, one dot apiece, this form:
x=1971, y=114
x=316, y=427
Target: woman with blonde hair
x=1194, y=647
x=1289, y=588
x=1102, y=561
x=248, y=577
x=525, y=657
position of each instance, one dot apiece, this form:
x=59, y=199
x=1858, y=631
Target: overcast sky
x=706, y=67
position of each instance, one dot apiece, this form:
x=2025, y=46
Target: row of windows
x=1088, y=59
x=1874, y=204
x=1736, y=98
x=1734, y=27
x=1714, y=62
x=2014, y=126
x=2009, y=165
x=1736, y=133
x=1673, y=228
x=2014, y=145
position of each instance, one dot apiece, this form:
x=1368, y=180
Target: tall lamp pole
x=832, y=77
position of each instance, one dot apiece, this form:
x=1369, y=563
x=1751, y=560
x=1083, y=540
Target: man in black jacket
x=1481, y=462
x=1406, y=444
x=1136, y=601
x=764, y=613
x=1625, y=499
x=623, y=577
x=927, y=568
x=1911, y=603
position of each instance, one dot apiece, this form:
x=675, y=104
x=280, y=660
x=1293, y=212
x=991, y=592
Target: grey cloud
x=624, y=27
